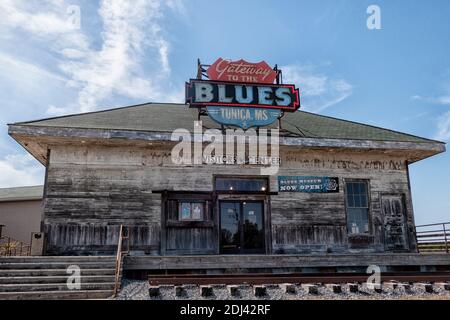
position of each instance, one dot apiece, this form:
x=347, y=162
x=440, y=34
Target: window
x=191, y=210
x=357, y=207
x=241, y=184
x=187, y=208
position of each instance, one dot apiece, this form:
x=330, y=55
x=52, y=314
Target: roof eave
x=28, y=136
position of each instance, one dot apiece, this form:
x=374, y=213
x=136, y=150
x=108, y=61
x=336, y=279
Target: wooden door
x=394, y=215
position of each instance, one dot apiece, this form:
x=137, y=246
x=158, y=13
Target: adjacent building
x=21, y=211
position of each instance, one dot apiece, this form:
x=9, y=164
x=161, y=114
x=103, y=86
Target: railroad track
x=255, y=279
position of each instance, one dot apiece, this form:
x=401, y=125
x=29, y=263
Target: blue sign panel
x=243, y=117
x=308, y=184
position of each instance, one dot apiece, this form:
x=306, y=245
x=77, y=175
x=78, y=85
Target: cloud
x=20, y=170
x=442, y=100
x=318, y=91
x=131, y=60
x=19, y=69
x=443, y=121
x=121, y=54
x=131, y=31
x=444, y=127
x=415, y=116
x=51, y=18
x=28, y=86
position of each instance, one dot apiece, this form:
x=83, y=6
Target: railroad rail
x=256, y=279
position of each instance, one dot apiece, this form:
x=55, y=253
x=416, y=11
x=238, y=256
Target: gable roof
x=166, y=117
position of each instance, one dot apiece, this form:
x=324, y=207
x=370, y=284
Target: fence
x=12, y=247
x=433, y=237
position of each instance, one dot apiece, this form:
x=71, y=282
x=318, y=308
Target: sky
x=60, y=57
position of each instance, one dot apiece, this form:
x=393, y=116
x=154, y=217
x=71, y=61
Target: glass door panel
x=253, y=227
x=230, y=239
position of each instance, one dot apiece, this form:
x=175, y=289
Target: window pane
x=235, y=184
x=350, y=201
x=364, y=201
x=192, y=210
x=350, y=188
x=230, y=240
x=185, y=211
x=197, y=211
x=358, y=220
x=253, y=225
x=351, y=216
x=357, y=201
x=358, y=188
x=363, y=188
x=357, y=194
x=357, y=208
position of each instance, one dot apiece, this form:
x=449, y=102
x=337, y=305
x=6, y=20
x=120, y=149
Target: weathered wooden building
x=114, y=167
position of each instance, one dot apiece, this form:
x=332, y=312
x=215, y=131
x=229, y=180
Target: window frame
x=170, y=219
x=191, y=202
x=369, y=207
x=241, y=177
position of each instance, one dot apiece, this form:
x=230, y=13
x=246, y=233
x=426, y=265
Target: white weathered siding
x=92, y=189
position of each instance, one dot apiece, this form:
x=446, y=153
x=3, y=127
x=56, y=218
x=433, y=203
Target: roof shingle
x=166, y=117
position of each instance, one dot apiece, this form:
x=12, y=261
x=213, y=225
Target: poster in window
x=251, y=216
x=185, y=211
x=197, y=211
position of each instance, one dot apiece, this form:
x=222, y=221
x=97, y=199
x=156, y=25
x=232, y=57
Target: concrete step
x=53, y=287
x=45, y=277
x=55, y=265
x=54, y=272
x=68, y=259
x=57, y=295
x=54, y=279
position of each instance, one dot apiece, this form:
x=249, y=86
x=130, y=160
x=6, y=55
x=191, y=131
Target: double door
x=241, y=227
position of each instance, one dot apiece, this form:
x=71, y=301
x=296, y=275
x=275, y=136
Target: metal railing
x=12, y=247
x=119, y=257
x=433, y=237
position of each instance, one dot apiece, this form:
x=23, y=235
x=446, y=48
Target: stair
x=45, y=277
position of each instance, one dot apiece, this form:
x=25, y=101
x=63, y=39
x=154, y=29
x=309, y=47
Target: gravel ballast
x=139, y=290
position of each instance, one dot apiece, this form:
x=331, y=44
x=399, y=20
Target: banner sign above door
x=308, y=184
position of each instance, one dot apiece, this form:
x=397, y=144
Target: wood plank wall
x=92, y=189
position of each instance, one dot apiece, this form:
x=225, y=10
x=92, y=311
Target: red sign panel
x=241, y=71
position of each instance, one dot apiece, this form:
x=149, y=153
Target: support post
x=445, y=238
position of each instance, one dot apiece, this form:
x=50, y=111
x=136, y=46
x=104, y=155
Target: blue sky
x=132, y=52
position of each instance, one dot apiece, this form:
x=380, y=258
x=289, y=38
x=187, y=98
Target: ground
x=138, y=290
